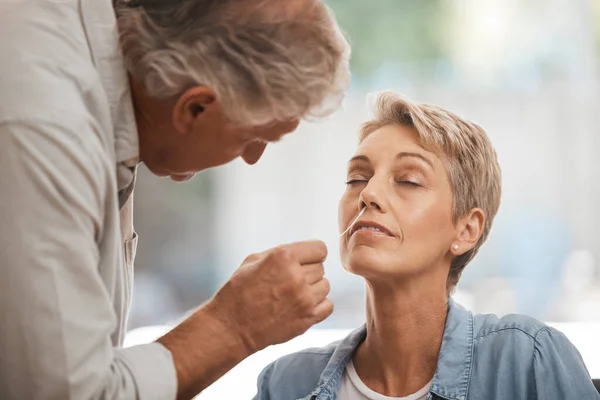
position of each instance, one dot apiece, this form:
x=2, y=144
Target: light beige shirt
x=67, y=246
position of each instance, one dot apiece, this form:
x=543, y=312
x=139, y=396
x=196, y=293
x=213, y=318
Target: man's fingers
x=309, y=252
x=313, y=273
x=323, y=310
x=320, y=290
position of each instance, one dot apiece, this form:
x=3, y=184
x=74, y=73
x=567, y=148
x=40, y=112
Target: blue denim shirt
x=482, y=357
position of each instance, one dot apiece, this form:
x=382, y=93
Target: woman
x=428, y=185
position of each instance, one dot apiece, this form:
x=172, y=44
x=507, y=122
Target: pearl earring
x=455, y=247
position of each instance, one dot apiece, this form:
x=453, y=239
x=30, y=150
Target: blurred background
x=526, y=70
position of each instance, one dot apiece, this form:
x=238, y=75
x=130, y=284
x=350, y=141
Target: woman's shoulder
x=534, y=357
x=520, y=333
x=295, y=375
x=516, y=324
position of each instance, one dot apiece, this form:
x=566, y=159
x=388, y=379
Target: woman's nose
x=372, y=196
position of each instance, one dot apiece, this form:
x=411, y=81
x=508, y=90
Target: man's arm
x=57, y=317
x=273, y=297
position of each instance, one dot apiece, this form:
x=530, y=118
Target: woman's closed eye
x=356, y=181
x=407, y=182
x=360, y=180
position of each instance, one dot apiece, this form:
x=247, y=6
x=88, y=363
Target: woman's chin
x=373, y=264
x=368, y=262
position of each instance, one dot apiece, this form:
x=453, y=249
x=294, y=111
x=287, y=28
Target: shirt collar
x=101, y=28
x=453, y=371
x=330, y=378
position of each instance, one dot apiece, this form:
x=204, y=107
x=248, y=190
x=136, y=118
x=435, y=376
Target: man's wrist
x=227, y=325
x=204, y=347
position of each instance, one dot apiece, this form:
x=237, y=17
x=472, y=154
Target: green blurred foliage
x=408, y=32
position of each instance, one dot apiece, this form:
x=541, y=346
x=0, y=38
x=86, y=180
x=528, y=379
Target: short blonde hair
x=265, y=60
x=472, y=164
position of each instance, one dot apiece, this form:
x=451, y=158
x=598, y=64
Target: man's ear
x=190, y=106
x=469, y=230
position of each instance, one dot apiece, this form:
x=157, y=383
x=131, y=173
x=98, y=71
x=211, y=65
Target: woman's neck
x=405, y=327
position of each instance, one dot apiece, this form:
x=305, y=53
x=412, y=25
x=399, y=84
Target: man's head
x=216, y=79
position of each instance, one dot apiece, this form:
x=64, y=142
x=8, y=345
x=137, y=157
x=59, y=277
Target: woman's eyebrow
x=415, y=155
x=359, y=157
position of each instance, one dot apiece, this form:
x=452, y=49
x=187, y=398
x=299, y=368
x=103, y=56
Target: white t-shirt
x=352, y=388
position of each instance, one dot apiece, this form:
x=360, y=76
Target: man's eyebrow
x=415, y=155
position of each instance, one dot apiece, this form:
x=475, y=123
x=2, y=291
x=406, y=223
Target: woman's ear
x=469, y=230
x=190, y=106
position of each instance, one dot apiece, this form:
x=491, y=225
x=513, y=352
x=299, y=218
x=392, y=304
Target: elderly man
x=89, y=89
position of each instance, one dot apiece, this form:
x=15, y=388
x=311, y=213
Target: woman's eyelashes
x=402, y=182
x=407, y=182
x=355, y=181
x=357, y=176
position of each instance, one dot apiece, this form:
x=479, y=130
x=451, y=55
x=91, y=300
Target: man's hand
x=276, y=295
x=273, y=297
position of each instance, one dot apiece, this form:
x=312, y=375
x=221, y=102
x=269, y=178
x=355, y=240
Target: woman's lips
x=370, y=228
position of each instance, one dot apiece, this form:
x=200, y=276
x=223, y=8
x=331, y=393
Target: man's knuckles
x=251, y=259
x=281, y=257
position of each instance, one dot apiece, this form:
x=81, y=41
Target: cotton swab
x=354, y=222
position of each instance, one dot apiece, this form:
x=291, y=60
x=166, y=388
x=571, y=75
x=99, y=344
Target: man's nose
x=253, y=151
x=290, y=125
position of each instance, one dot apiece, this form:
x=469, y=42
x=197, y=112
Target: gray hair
x=265, y=60
x=470, y=158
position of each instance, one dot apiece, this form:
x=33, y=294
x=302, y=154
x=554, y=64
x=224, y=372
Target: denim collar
x=451, y=378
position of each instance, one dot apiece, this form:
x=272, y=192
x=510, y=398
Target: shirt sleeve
x=57, y=315
x=559, y=371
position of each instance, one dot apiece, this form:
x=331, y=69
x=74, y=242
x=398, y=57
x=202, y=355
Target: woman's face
x=407, y=227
